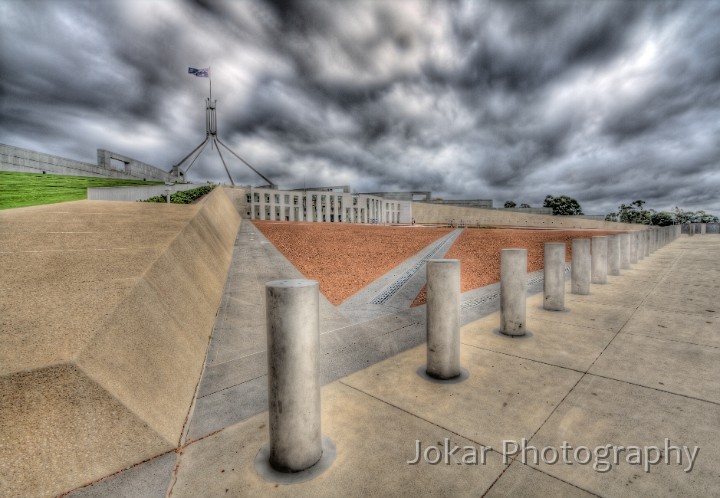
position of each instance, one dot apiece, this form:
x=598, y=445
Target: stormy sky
x=604, y=101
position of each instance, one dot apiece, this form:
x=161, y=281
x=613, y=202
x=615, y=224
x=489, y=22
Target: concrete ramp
x=106, y=309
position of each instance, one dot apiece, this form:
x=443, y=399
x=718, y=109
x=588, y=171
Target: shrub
x=183, y=197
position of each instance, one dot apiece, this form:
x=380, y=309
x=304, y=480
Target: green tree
x=611, y=217
x=662, y=218
x=563, y=205
x=702, y=217
x=524, y=205
x=682, y=216
x=509, y=204
x=634, y=213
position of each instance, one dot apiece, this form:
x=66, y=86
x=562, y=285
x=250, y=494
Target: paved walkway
x=633, y=363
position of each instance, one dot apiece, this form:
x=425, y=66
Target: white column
x=293, y=374
x=513, y=285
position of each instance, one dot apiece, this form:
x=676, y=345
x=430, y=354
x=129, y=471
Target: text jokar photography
x=602, y=458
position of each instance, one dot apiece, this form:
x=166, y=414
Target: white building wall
x=335, y=207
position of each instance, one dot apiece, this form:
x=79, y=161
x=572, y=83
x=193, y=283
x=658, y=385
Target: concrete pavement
x=633, y=363
x=612, y=372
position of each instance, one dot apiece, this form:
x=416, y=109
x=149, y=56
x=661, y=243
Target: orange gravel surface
x=479, y=252
x=344, y=258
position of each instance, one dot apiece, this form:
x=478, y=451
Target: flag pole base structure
x=296, y=451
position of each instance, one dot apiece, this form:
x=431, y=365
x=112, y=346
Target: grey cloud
x=470, y=99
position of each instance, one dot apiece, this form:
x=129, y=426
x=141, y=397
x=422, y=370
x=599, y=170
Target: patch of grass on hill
x=31, y=189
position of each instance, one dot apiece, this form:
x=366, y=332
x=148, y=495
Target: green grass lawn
x=30, y=189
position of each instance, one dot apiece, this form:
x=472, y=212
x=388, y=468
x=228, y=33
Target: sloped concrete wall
x=151, y=349
x=30, y=161
x=98, y=373
x=134, y=193
x=433, y=213
x=130, y=166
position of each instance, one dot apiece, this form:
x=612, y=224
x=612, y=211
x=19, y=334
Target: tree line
x=634, y=212
x=561, y=205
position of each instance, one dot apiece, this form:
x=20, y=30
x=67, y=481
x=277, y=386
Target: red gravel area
x=344, y=258
x=479, y=252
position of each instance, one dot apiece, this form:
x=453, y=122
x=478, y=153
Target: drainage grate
x=471, y=303
x=390, y=290
x=480, y=300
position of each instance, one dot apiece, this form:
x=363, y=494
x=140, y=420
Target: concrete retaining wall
x=29, y=161
x=134, y=193
x=104, y=333
x=433, y=213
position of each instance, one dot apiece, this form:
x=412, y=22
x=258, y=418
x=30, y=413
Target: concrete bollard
x=633, y=248
x=648, y=249
x=554, y=276
x=641, y=246
x=293, y=341
x=703, y=228
x=443, y=318
x=691, y=230
x=614, y=254
x=513, y=286
x=599, y=260
x=581, y=267
x=624, y=251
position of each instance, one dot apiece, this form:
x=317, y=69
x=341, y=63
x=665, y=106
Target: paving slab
x=553, y=342
x=675, y=326
x=583, y=312
x=672, y=299
x=602, y=411
x=149, y=479
x=374, y=441
x=522, y=481
x=613, y=293
x=678, y=367
x=504, y=398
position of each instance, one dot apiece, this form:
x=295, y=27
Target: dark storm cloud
x=606, y=101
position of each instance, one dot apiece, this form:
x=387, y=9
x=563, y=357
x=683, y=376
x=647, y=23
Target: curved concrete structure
x=513, y=285
x=624, y=251
x=293, y=339
x=581, y=266
x=599, y=262
x=554, y=276
x=614, y=255
x=443, y=318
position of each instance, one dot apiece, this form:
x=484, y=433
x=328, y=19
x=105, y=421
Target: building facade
x=333, y=205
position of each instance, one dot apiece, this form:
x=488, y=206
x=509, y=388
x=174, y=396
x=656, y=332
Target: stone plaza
x=135, y=361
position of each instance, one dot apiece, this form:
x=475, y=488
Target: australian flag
x=202, y=73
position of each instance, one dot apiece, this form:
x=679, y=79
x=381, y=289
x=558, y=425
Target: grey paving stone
x=149, y=480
